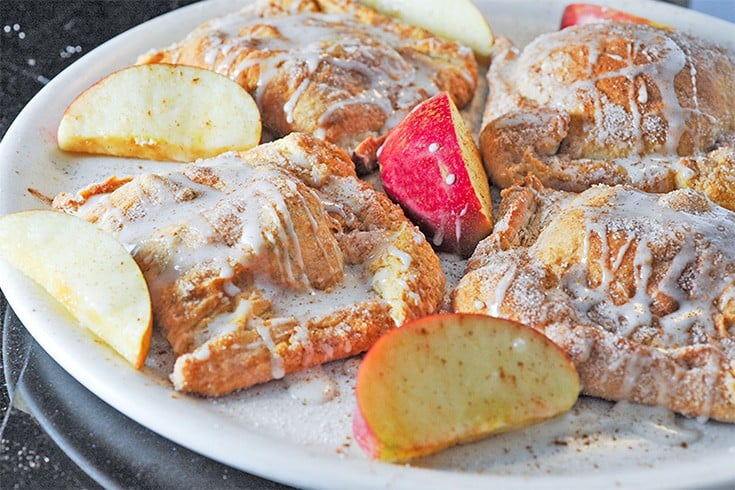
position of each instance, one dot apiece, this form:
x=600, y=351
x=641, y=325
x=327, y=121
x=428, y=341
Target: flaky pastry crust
x=638, y=288
x=613, y=103
x=268, y=261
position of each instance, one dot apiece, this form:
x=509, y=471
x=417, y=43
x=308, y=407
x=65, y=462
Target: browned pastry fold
x=332, y=68
x=613, y=103
x=268, y=261
x=638, y=288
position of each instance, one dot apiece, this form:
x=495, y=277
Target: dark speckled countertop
x=38, y=39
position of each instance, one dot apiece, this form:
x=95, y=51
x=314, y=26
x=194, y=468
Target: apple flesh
x=430, y=165
x=87, y=271
x=586, y=13
x=456, y=377
x=161, y=112
x=461, y=21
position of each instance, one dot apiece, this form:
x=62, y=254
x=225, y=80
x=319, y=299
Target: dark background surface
x=59, y=422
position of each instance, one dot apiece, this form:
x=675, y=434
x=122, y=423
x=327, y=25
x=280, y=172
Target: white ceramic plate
x=298, y=430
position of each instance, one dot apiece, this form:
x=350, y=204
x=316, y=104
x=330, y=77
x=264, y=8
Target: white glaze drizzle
x=622, y=130
x=303, y=41
x=187, y=229
x=644, y=218
x=277, y=369
x=698, y=275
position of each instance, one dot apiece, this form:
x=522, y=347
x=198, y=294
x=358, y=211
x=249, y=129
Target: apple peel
x=586, y=13
x=431, y=166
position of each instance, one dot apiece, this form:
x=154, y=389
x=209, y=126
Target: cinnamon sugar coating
x=638, y=288
x=613, y=103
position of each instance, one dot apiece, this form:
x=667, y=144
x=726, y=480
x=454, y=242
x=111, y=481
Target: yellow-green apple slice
x=161, y=112
x=430, y=165
x=87, y=271
x=586, y=13
x=451, y=378
x=459, y=20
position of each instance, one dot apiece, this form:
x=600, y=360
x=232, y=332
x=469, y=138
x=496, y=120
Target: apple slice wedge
x=585, y=13
x=87, y=271
x=431, y=166
x=459, y=20
x=161, y=112
x=451, y=378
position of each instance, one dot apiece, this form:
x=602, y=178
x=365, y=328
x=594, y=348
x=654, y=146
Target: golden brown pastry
x=613, y=103
x=332, y=68
x=638, y=288
x=268, y=261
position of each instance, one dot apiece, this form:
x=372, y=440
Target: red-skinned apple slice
x=161, y=112
x=452, y=378
x=87, y=271
x=430, y=165
x=586, y=13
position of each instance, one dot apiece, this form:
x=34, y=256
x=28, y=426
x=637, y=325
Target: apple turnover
x=332, y=68
x=638, y=288
x=613, y=103
x=268, y=261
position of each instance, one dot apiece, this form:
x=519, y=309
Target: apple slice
x=451, y=378
x=430, y=165
x=459, y=21
x=161, y=112
x=586, y=13
x=87, y=271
